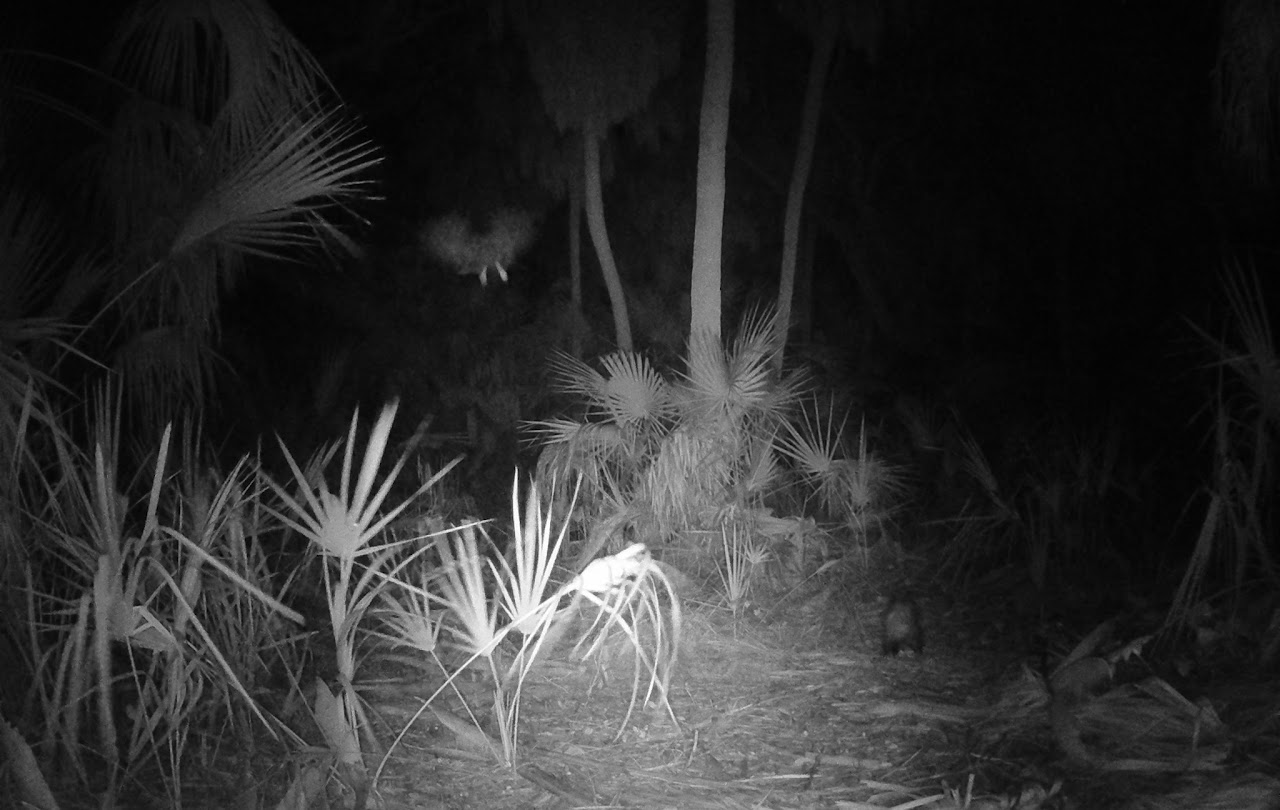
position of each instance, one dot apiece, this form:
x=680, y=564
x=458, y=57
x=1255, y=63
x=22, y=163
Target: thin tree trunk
x=713, y=134
x=575, y=267
x=802, y=303
x=818, y=63
x=591, y=134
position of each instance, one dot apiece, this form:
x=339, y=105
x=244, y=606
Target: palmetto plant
x=178, y=583
x=223, y=144
x=679, y=452
x=741, y=562
x=342, y=527
x=1239, y=520
x=128, y=598
x=630, y=594
x=851, y=483
x=697, y=462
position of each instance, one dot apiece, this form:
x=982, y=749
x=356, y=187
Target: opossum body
x=901, y=627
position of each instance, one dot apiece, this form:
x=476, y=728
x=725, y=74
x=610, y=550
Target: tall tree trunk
x=713, y=134
x=802, y=303
x=591, y=134
x=818, y=63
x=575, y=266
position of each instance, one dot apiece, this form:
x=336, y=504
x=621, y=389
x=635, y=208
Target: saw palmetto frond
x=739, y=380
x=634, y=393
x=270, y=202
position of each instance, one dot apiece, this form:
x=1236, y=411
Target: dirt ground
x=797, y=712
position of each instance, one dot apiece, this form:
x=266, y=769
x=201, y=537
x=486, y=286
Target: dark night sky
x=1034, y=187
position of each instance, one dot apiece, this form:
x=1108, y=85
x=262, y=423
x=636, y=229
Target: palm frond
x=556, y=431
x=29, y=253
x=761, y=471
x=343, y=524
x=690, y=475
x=1246, y=103
x=463, y=592
x=1256, y=362
x=868, y=483
x=29, y=263
x=705, y=382
x=586, y=444
x=740, y=380
x=581, y=450
x=634, y=393
x=272, y=201
x=755, y=345
x=571, y=375
x=166, y=370
x=535, y=545
x=815, y=443
x=231, y=60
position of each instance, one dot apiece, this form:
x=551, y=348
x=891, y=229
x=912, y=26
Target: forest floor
x=796, y=711
x=788, y=706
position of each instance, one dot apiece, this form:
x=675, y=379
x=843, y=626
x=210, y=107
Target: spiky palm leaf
x=462, y=587
x=586, y=449
x=29, y=253
x=634, y=394
x=233, y=61
x=760, y=471
x=688, y=478
x=681, y=452
x=814, y=443
x=270, y=201
x=628, y=408
x=29, y=264
x=730, y=384
x=630, y=394
x=343, y=524
x=535, y=547
x=1256, y=360
x=1245, y=84
x=228, y=150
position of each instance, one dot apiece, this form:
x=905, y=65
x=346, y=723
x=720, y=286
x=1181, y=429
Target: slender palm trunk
x=713, y=134
x=591, y=134
x=800, y=173
x=575, y=265
x=802, y=302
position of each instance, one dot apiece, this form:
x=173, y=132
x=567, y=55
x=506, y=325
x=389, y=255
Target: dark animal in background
x=901, y=627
